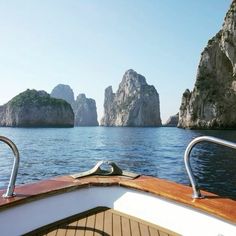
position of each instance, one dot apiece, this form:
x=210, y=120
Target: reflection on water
x=150, y=151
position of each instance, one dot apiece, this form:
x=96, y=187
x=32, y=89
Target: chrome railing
x=11, y=185
x=196, y=189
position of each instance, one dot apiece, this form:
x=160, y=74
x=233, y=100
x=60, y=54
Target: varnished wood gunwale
x=215, y=205
x=101, y=221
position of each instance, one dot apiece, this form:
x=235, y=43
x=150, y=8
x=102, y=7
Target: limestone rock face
x=85, y=111
x=36, y=109
x=172, y=121
x=212, y=103
x=65, y=92
x=84, y=108
x=134, y=104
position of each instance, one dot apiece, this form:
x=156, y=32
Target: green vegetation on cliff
x=36, y=109
x=36, y=98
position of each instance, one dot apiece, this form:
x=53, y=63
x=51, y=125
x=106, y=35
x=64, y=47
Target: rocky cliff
x=172, y=121
x=36, y=109
x=65, y=92
x=134, y=104
x=212, y=103
x=85, y=111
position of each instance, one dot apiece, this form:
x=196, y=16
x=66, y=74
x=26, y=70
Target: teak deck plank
x=90, y=225
x=116, y=226
x=61, y=231
x=52, y=233
x=125, y=225
x=134, y=227
x=108, y=223
x=153, y=232
x=101, y=221
x=144, y=230
x=163, y=234
x=71, y=228
x=81, y=223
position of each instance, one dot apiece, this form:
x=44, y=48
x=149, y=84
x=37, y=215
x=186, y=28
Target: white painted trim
x=179, y=218
x=176, y=217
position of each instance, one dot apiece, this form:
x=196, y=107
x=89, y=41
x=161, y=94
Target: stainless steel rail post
x=11, y=186
x=196, y=190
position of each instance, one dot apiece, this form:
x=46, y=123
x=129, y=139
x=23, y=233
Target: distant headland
x=212, y=102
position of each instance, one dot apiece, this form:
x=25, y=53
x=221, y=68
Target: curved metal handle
x=11, y=185
x=196, y=190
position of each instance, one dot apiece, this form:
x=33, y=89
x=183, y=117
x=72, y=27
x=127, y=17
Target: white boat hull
x=176, y=217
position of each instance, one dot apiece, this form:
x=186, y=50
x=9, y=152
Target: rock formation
x=84, y=108
x=212, y=103
x=172, y=121
x=85, y=111
x=134, y=104
x=36, y=109
x=65, y=92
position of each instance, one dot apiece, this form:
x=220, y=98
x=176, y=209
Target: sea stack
x=85, y=111
x=63, y=91
x=212, y=103
x=36, y=109
x=134, y=104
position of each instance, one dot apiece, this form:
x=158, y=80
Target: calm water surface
x=151, y=151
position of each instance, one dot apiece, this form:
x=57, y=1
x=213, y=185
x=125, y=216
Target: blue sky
x=89, y=44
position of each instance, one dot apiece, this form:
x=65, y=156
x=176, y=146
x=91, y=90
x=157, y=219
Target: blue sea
x=49, y=152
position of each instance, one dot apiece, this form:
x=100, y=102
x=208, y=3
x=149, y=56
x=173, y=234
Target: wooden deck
x=102, y=221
